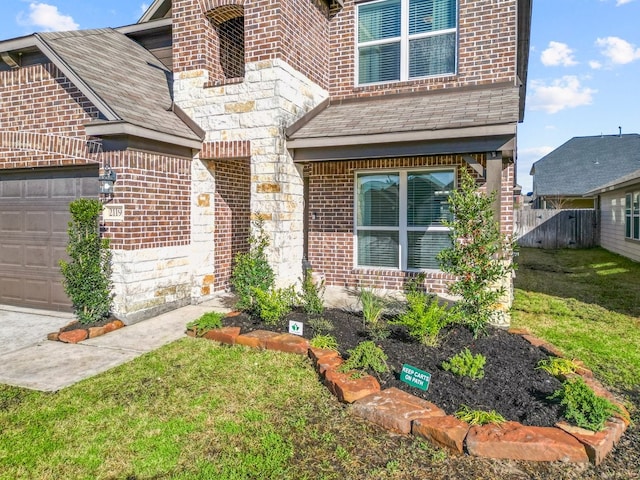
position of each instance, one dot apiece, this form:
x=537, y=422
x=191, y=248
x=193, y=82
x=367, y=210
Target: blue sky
x=584, y=69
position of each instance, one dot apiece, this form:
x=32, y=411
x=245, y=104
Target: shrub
x=478, y=417
x=582, y=406
x=251, y=269
x=373, y=306
x=366, y=356
x=480, y=256
x=465, y=364
x=320, y=326
x=328, y=342
x=558, y=366
x=424, y=316
x=272, y=305
x=312, y=293
x=208, y=321
x=87, y=276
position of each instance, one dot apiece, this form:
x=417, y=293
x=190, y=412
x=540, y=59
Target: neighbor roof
x=622, y=182
x=585, y=163
x=134, y=85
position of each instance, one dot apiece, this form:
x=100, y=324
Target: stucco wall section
x=272, y=96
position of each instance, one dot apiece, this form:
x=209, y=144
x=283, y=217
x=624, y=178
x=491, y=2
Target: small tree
x=87, y=277
x=480, y=256
x=252, y=270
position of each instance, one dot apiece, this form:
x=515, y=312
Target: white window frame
x=404, y=39
x=634, y=215
x=402, y=228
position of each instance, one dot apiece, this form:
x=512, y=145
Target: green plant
x=424, y=316
x=251, y=269
x=557, y=366
x=87, y=276
x=208, y=321
x=465, y=364
x=328, y=342
x=320, y=326
x=312, y=292
x=366, y=355
x=480, y=256
x=478, y=417
x=272, y=305
x=373, y=306
x=582, y=406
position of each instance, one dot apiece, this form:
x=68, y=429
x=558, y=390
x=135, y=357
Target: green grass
x=196, y=410
x=587, y=303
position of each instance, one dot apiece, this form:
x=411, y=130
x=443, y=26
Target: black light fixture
x=107, y=181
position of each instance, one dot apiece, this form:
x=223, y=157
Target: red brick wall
x=486, y=54
x=156, y=193
x=41, y=100
x=233, y=214
x=296, y=31
x=331, y=233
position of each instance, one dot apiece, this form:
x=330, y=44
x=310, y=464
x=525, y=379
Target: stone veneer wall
x=256, y=111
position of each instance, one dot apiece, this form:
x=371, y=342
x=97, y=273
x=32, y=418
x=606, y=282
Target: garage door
x=34, y=213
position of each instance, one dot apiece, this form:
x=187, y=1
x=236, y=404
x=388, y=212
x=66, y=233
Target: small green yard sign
x=415, y=377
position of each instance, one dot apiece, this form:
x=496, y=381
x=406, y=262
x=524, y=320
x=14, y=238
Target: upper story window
x=400, y=40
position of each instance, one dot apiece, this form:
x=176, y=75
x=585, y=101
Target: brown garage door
x=34, y=213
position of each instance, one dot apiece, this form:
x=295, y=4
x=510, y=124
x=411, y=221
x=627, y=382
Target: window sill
x=222, y=83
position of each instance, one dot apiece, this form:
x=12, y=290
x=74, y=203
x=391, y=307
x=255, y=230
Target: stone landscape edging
x=401, y=412
x=77, y=335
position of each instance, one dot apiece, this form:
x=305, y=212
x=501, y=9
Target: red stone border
x=79, y=334
x=401, y=412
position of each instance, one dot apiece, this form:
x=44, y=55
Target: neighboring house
x=344, y=124
x=563, y=177
x=619, y=205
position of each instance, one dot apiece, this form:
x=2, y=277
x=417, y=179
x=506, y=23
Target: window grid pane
x=424, y=247
x=379, y=63
x=627, y=216
x=378, y=200
x=432, y=55
x=431, y=15
x=378, y=21
x=427, y=198
x=378, y=249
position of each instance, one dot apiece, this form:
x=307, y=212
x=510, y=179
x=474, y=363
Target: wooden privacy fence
x=551, y=229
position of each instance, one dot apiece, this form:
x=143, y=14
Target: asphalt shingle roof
x=127, y=77
x=444, y=109
x=586, y=163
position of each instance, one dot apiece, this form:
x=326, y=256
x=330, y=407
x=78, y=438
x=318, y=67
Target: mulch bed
x=512, y=385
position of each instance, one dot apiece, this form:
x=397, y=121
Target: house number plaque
x=113, y=213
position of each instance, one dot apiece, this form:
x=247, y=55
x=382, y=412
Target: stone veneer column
x=272, y=96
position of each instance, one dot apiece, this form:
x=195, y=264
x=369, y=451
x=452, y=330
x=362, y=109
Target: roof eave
x=399, y=137
x=117, y=128
x=158, y=9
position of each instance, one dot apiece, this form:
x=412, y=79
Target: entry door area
x=34, y=216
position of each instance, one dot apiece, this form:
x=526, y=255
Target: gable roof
x=131, y=89
x=478, y=113
x=632, y=178
x=585, y=163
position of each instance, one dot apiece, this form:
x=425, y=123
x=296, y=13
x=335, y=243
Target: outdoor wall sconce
x=107, y=181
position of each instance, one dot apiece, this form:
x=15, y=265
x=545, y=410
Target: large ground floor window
x=399, y=217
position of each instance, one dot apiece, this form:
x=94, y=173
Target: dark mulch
x=512, y=385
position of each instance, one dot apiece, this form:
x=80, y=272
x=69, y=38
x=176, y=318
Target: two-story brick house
x=343, y=123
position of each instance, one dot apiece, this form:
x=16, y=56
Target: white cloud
x=594, y=64
x=617, y=50
x=143, y=8
x=46, y=17
x=561, y=93
x=622, y=2
x=558, y=53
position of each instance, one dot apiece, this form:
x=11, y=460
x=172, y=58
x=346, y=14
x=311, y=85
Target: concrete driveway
x=24, y=327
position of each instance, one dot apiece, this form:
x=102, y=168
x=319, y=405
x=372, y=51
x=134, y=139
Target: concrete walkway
x=29, y=360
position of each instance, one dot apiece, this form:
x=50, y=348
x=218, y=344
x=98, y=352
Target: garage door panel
x=37, y=188
x=34, y=217
x=11, y=255
x=37, y=223
x=11, y=222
